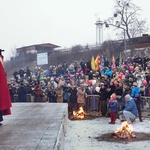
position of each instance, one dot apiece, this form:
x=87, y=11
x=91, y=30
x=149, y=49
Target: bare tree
x=77, y=48
x=111, y=47
x=126, y=20
x=12, y=53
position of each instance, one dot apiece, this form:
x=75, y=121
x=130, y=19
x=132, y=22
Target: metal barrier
x=29, y=98
x=92, y=105
x=16, y=98
x=145, y=106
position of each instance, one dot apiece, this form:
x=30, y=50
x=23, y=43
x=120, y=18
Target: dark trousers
x=1, y=117
x=72, y=106
x=103, y=107
x=138, y=105
x=52, y=100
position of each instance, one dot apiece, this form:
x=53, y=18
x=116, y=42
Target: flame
x=125, y=131
x=80, y=114
x=125, y=125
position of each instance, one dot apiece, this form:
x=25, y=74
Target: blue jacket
x=113, y=106
x=131, y=106
x=135, y=93
x=108, y=72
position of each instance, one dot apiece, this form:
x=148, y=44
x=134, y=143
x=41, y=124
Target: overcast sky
x=62, y=22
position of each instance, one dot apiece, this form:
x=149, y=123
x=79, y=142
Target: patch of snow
x=81, y=135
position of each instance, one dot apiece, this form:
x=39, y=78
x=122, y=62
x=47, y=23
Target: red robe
x=5, y=101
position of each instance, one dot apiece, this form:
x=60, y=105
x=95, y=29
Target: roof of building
x=43, y=44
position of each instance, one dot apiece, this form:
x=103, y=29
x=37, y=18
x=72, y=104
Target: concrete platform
x=34, y=126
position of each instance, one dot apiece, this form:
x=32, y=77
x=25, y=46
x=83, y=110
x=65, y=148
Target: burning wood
x=80, y=114
x=124, y=132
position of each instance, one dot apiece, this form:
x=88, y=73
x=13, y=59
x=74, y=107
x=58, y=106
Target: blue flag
x=120, y=60
x=102, y=64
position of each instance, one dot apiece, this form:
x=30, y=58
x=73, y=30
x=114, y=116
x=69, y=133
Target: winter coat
x=108, y=72
x=81, y=96
x=112, y=90
x=103, y=94
x=65, y=93
x=52, y=95
x=37, y=90
x=131, y=106
x=147, y=90
x=60, y=95
x=119, y=91
x=73, y=95
x=21, y=94
x=112, y=106
x=135, y=92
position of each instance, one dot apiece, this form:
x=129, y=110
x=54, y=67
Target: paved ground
x=34, y=126
x=37, y=126
x=81, y=135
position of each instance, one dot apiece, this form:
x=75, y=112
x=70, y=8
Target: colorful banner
x=113, y=66
x=120, y=60
x=102, y=64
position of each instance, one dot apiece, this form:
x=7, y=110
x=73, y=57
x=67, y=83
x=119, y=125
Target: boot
x=140, y=116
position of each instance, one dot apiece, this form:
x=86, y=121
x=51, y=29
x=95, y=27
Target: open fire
x=124, y=132
x=80, y=114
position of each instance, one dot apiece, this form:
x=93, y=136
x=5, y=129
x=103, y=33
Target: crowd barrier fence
x=145, y=106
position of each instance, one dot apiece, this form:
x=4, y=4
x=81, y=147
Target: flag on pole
x=97, y=62
x=93, y=63
x=102, y=64
x=113, y=66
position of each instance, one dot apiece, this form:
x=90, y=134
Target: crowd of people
x=72, y=83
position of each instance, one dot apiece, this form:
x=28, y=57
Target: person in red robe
x=5, y=101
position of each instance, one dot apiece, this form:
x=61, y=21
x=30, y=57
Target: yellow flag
x=93, y=63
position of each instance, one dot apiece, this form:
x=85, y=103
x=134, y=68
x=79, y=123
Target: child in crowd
x=112, y=108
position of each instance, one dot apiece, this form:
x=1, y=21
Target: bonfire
x=80, y=114
x=124, y=132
